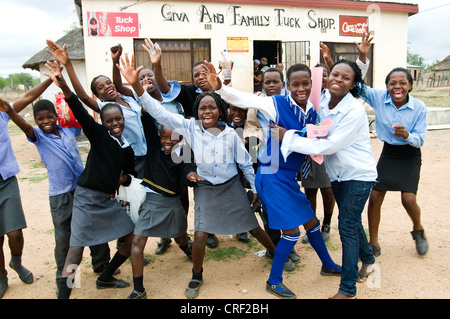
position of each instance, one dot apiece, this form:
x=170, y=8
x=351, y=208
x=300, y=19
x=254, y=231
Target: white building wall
x=390, y=42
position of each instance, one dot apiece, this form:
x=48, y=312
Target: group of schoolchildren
x=238, y=151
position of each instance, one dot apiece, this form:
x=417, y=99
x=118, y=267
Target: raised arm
x=326, y=55
x=238, y=98
x=61, y=55
x=31, y=95
x=56, y=77
x=80, y=113
x=116, y=52
x=18, y=120
x=364, y=47
x=155, y=54
x=154, y=108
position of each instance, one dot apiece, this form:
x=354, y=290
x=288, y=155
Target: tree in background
x=416, y=59
x=15, y=79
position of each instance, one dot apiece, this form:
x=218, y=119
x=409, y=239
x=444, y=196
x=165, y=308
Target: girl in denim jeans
x=350, y=165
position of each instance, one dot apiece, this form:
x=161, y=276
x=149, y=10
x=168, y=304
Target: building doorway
x=288, y=53
x=268, y=49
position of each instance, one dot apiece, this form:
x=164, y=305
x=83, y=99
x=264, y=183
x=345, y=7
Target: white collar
x=124, y=141
x=309, y=105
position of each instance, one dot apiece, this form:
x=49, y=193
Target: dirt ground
x=400, y=272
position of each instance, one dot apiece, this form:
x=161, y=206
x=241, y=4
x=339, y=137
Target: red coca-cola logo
x=103, y=23
x=353, y=26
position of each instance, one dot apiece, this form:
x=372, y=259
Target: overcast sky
x=26, y=24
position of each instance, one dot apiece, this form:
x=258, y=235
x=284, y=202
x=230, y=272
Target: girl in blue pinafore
x=276, y=181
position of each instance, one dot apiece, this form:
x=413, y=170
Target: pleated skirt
x=11, y=212
x=223, y=209
x=317, y=177
x=96, y=219
x=161, y=216
x=285, y=204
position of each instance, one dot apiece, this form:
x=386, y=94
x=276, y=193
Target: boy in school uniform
x=58, y=150
x=12, y=218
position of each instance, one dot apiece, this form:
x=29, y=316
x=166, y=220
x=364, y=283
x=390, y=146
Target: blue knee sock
x=282, y=251
x=316, y=240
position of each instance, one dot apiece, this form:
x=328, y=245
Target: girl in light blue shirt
x=105, y=90
x=401, y=123
x=221, y=203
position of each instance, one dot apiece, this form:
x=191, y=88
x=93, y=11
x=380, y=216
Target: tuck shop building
x=283, y=31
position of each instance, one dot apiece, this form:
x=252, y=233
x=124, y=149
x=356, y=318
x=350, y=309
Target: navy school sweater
x=161, y=173
x=106, y=160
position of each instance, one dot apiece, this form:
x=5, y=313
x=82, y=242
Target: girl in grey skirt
x=161, y=214
x=221, y=203
x=96, y=217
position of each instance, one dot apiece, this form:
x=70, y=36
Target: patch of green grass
x=433, y=97
x=37, y=179
x=225, y=253
x=38, y=165
x=331, y=246
x=254, y=245
x=150, y=258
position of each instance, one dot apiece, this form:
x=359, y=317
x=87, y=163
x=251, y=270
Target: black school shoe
x=137, y=295
x=244, y=237
x=421, y=241
x=280, y=290
x=212, y=241
x=330, y=272
x=114, y=283
x=163, y=245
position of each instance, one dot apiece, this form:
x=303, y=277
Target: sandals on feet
x=363, y=277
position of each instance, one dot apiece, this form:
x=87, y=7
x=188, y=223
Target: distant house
x=441, y=72
x=416, y=72
x=75, y=47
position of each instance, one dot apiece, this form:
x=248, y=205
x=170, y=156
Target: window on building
x=178, y=56
x=348, y=51
x=295, y=52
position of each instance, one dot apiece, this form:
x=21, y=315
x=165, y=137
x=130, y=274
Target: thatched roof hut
x=75, y=48
x=444, y=65
x=441, y=73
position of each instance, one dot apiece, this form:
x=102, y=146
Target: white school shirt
x=347, y=150
x=215, y=156
x=265, y=106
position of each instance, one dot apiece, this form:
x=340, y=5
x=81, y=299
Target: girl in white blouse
x=350, y=165
x=221, y=203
